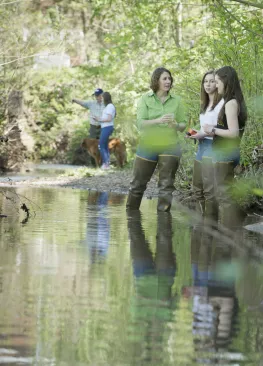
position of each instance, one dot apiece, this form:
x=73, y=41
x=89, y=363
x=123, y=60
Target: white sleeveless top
x=210, y=117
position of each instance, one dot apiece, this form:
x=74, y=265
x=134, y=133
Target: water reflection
x=215, y=305
x=154, y=275
x=83, y=284
x=98, y=226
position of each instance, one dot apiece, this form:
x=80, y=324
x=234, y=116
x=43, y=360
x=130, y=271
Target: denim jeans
x=103, y=145
x=204, y=149
x=154, y=156
x=227, y=155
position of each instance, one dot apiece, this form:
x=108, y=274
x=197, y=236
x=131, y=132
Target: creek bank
x=113, y=180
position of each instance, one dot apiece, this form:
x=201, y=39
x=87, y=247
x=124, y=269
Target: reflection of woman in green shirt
x=160, y=114
x=153, y=304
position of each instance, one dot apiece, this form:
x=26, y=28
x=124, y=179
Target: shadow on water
x=85, y=283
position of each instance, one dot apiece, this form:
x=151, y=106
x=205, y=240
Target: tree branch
x=12, y=2
x=18, y=59
x=238, y=21
x=259, y=6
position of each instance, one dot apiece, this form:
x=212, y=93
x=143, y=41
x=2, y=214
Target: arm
x=180, y=117
x=106, y=119
x=108, y=114
x=83, y=103
x=231, y=110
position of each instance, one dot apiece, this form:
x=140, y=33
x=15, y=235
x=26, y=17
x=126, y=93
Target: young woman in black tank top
x=227, y=136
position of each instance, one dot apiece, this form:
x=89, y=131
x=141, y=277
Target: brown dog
x=116, y=147
x=92, y=146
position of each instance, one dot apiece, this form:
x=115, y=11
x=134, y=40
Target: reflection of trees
x=51, y=306
x=55, y=307
x=106, y=288
x=39, y=271
x=154, y=275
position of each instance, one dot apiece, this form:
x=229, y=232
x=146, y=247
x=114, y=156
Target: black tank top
x=226, y=141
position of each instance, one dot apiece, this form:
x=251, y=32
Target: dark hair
x=204, y=96
x=232, y=90
x=156, y=77
x=107, y=100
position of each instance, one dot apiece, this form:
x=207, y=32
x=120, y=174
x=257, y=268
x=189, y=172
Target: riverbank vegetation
x=115, y=44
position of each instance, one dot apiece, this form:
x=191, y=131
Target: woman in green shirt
x=160, y=114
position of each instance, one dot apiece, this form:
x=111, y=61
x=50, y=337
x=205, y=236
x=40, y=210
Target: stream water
x=82, y=282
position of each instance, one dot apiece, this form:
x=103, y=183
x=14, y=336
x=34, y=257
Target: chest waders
x=142, y=172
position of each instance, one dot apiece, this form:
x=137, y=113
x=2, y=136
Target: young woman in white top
x=203, y=177
x=107, y=127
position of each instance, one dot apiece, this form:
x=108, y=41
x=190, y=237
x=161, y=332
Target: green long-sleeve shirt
x=150, y=107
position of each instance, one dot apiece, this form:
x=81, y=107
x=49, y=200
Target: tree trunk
x=12, y=152
x=179, y=36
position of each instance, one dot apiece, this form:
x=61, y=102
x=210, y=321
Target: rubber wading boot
x=231, y=214
x=142, y=171
x=198, y=186
x=208, y=175
x=167, y=165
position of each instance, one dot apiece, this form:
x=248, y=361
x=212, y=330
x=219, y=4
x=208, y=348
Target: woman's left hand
x=208, y=129
x=95, y=118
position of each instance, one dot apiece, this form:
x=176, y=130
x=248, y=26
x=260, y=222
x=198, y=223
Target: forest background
x=115, y=45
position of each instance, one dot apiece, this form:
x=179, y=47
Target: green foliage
x=117, y=45
x=258, y=192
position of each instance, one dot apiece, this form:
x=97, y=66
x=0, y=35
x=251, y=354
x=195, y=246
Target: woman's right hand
x=198, y=135
x=167, y=118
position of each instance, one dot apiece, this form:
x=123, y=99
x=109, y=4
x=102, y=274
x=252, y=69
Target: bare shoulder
x=231, y=105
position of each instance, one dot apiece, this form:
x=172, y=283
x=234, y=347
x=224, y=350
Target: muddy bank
x=114, y=180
